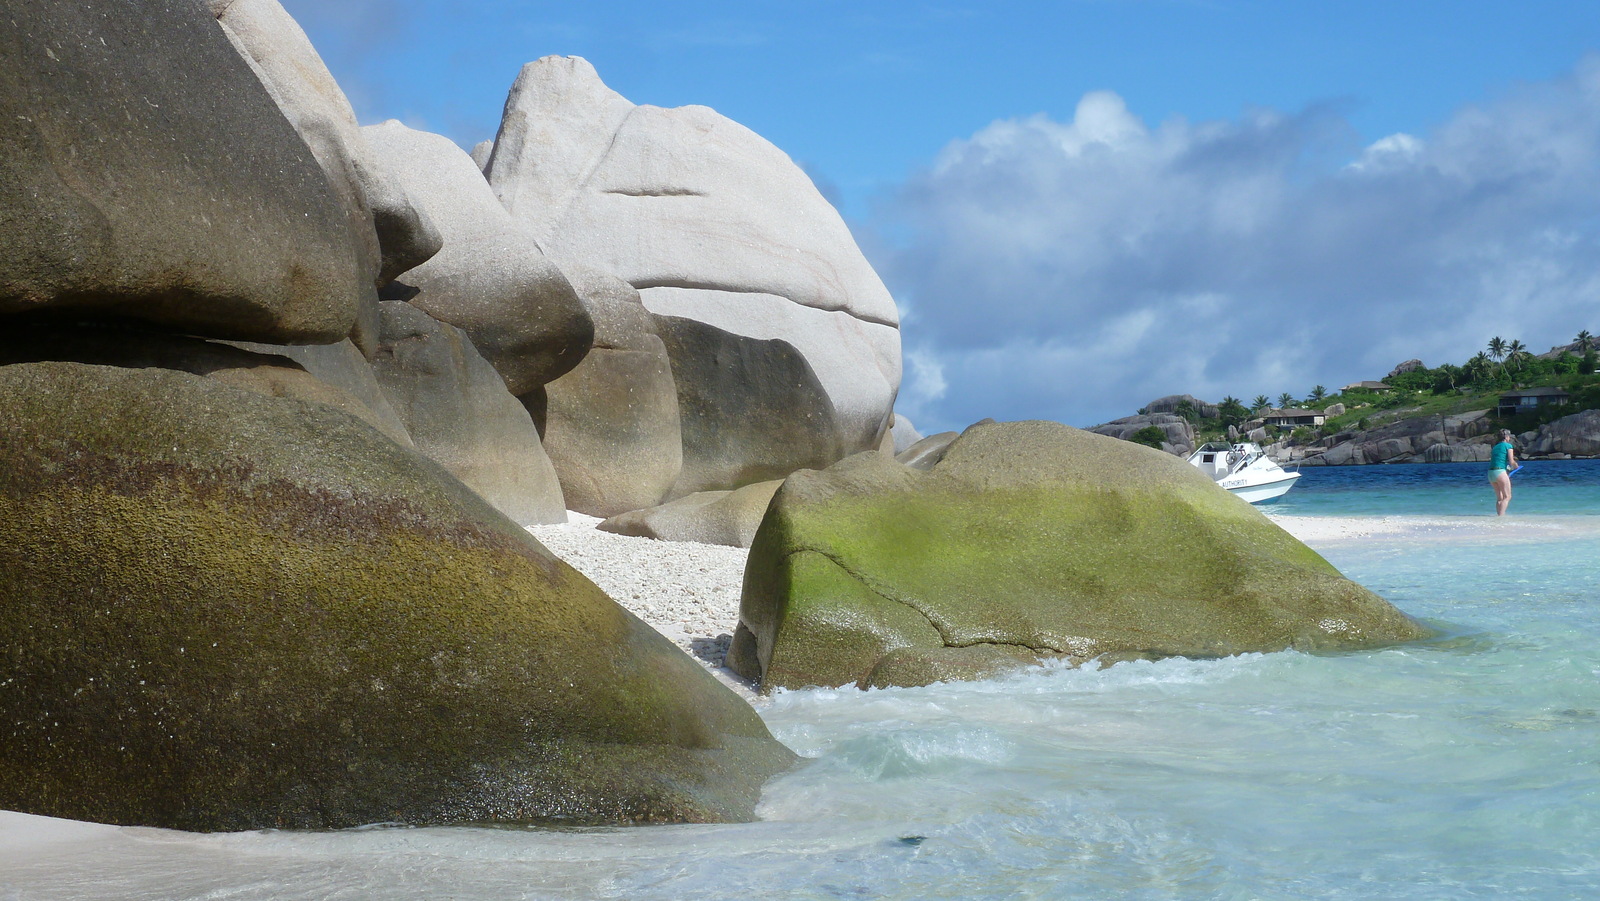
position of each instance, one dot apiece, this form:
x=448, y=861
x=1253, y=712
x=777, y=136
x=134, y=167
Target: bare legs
x=1502, y=494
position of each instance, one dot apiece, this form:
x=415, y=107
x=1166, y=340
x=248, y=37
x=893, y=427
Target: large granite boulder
x=904, y=433
x=1347, y=453
x=749, y=410
x=1178, y=433
x=610, y=425
x=1468, y=425
x=343, y=366
x=1405, y=367
x=272, y=370
x=1028, y=540
x=1457, y=453
x=225, y=611
x=709, y=517
x=708, y=220
x=458, y=413
x=146, y=174
x=1171, y=403
x=391, y=233
x=1577, y=435
x=927, y=452
x=1388, y=450
x=490, y=279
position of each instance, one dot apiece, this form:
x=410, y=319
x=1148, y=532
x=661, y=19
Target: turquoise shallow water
x=1463, y=767
x=1541, y=487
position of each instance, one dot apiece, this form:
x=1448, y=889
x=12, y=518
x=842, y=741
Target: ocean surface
x=1540, y=487
x=1467, y=766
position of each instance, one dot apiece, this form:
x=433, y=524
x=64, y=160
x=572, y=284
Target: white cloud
x=1076, y=270
x=1397, y=150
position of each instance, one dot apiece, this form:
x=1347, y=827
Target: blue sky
x=1082, y=205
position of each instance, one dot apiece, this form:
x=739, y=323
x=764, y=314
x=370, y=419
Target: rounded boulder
x=224, y=611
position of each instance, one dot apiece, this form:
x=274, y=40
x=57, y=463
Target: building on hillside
x=1377, y=387
x=1293, y=419
x=1529, y=399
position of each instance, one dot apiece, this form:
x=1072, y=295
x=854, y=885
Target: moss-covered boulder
x=1028, y=540
x=221, y=610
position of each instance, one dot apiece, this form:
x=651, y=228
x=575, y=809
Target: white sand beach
x=688, y=592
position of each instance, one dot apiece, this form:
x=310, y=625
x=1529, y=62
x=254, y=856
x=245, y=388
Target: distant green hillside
x=1447, y=389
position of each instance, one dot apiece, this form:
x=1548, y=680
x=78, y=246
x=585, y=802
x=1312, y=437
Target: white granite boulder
x=708, y=220
x=490, y=279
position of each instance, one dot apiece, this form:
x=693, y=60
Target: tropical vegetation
x=1450, y=388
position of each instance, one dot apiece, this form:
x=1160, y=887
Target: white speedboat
x=1244, y=469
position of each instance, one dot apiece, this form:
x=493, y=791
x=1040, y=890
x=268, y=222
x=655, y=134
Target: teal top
x=1497, y=457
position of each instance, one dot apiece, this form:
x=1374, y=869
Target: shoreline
x=1328, y=530
x=690, y=592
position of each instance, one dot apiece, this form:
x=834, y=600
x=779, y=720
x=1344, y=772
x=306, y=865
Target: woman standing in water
x=1502, y=460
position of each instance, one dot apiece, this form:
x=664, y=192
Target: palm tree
x=1285, y=400
x=1260, y=403
x=1497, y=348
x=1516, y=352
x=1446, y=377
x=1232, y=411
x=1477, y=367
x=1318, y=393
x=1585, y=341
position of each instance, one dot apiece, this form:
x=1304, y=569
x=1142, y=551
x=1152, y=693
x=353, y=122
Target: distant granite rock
x=1170, y=403
x=709, y=517
x=1179, y=433
x=1417, y=439
x=611, y=425
x=1458, y=453
x=1333, y=410
x=146, y=174
x=459, y=413
x=927, y=452
x=709, y=221
x=481, y=152
x=904, y=433
x=1032, y=540
x=1403, y=368
x=490, y=279
x=392, y=234
x=1575, y=435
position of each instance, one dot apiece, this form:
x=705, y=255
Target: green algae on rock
x=221, y=610
x=1029, y=540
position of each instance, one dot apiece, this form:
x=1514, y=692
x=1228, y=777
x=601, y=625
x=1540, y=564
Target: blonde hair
x=1506, y=434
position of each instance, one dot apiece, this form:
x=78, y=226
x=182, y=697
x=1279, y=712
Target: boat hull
x=1262, y=492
